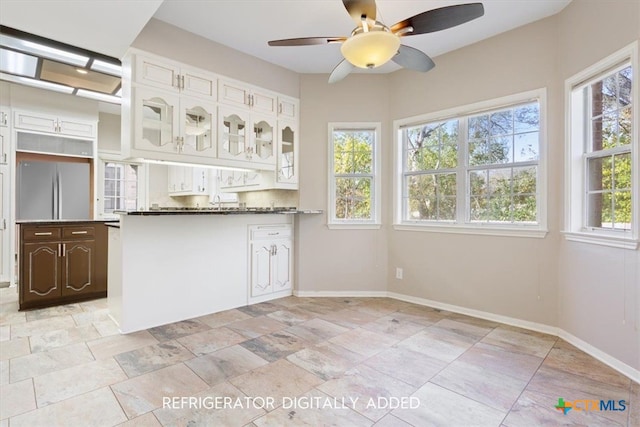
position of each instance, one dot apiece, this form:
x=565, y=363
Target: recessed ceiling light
x=82, y=71
x=18, y=63
x=36, y=83
x=44, y=50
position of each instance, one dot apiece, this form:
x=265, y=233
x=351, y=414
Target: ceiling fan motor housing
x=370, y=49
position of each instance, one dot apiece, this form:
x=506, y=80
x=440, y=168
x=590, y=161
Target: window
x=120, y=187
x=474, y=169
x=602, y=153
x=123, y=185
x=431, y=154
x=354, y=175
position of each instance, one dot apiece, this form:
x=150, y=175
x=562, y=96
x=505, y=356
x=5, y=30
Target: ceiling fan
x=372, y=44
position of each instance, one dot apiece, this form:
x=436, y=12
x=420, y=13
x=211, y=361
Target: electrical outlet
x=398, y=273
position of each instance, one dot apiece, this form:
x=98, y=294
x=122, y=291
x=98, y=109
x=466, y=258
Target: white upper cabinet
x=169, y=123
x=188, y=181
x=175, y=77
x=184, y=114
x=198, y=124
x=246, y=137
x=38, y=122
x=4, y=146
x=5, y=116
x=288, y=108
x=240, y=94
x=287, y=156
x=156, y=120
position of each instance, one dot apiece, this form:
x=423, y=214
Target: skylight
x=36, y=61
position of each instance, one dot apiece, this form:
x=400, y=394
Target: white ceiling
x=104, y=26
x=247, y=25
x=109, y=27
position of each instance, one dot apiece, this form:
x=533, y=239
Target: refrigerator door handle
x=54, y=195
x=59, y=195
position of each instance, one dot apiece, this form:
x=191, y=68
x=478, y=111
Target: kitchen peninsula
x=167, y=265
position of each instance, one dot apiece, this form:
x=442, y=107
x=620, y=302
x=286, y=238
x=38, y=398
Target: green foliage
x=496, y=194
x=609, y=202
x=353, y=155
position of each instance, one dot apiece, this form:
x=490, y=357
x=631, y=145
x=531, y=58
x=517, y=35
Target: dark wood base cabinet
x=62, y=263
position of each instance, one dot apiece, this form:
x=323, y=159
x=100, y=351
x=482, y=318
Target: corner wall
x=508, y=276
x=334, y=261
x=590, y=293
x=598, y=287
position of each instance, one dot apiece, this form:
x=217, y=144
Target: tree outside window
x=473, y=169
x=608, y=161
x=353, y=174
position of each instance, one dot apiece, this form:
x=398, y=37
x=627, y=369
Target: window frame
x=375, y=221
x=107, y=156
x=577, y=153
x=462, y=224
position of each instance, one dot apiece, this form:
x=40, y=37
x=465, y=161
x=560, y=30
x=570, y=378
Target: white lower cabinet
x=271, y=257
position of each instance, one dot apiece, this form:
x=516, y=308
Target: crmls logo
x=590, y=405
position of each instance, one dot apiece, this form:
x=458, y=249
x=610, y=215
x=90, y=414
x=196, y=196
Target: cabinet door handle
x=42, y=233
x=79, y=232
x=182, y=81
x=4, y=224
x=64, y=249
x=274, y=234
x=280, y=108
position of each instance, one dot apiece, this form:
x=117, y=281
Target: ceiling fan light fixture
x=370, y=49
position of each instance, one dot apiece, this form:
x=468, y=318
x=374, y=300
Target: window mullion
x=462, y=181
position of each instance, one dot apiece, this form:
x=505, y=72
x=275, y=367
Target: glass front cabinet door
x=263, y=147
x=156, y=121
x=198, y=129
x=287, y=165
x=232, y=129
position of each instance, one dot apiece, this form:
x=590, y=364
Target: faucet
x=219, y=201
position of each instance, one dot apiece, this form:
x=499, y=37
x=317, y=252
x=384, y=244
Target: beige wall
x=599, y=287
x=109, y=132
x=503, y=275
x=339, y=260
x=591, y=292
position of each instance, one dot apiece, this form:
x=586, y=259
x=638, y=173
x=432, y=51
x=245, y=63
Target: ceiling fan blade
x=413, y=59
x=341, y=71
x=439, y=19
x=357, y=8
x=306, y=41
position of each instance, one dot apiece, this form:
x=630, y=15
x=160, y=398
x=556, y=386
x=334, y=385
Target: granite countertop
x=59, y=221
x=221, y=211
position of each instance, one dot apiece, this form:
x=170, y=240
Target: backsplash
x=283, y=198
x=163, y=199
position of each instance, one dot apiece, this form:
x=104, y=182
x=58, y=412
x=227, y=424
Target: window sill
x=602, y=240
x=483, y=231
x=354, y=226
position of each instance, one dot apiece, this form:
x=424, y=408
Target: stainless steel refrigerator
x=53, y=190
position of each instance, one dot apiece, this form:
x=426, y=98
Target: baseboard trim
x=612, y=362
x=525, y=324
x=341, y=294
x=605, y=358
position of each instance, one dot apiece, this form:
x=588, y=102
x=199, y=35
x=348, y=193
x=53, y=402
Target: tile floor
x=295, y=361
